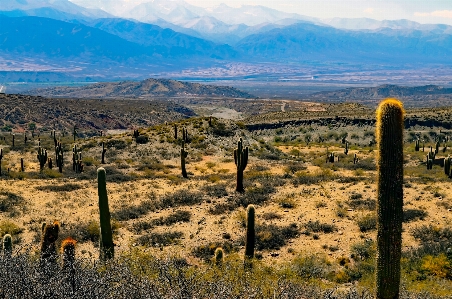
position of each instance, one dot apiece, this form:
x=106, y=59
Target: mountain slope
x=148, y=35
x=147, y=88
x=36, y=36
x=308, y=41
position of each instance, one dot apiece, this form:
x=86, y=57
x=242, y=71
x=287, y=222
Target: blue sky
x=423, y=11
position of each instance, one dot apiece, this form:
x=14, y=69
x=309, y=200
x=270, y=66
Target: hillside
x=143, y=89
x=18, y=111
x=416, y=96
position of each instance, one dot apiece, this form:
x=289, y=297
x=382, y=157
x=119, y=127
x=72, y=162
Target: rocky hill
x=17, y=112
x=428, y=95
x=149, y=88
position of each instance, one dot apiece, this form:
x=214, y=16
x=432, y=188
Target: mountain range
x=132, y=39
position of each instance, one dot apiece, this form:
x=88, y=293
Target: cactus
x=49, y=161
x=355, y=159
x=429, y=162
x=185, y=135
x=22, y=168
x=74, y=132
x=250, y=232
x=390, y=124
x=437, y=147
x=241, y=161
x=25, y=138
x=219, y=256
x=42, y=157
x=59, y=156
x=331, y=158
x=346, y=148
x=7, y=245
x=183, y=155
x=60, y=162
x=1, y=157
x=447, y=161
x=13, y=139
x=103, y=153
x=106, y=237
x=417, y=145
x=68, y=251
x=48, y=239
x=136, y=133
x=175, y=132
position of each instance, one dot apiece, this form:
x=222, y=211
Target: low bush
x=128, y=212
x=317, y=227
x=413, y=214
x=181, y=198
x=60, y=188
x=367, y=223
x=274, y=237
x=160, y=239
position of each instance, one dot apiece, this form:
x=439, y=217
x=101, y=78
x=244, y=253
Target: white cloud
x=369, y=10
x=436, y=13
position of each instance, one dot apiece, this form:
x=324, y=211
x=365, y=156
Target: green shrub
x=317, y=227
x=367, y=223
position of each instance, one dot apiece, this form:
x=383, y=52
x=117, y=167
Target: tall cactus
x=1, y=157
x=106, y=236
x=250, y=232
x=175, y=131
x=183, y=155
x=390, y=124
x=346, y=148
x=241, y=161
x=103, y=153
x=417, y=145
x=7, y=245
x=42, y=158
x=74, y=132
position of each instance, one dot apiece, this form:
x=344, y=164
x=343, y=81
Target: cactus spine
x=250, y=232
x=183, y=155
x=42, y=158
x=103, y=153
x=106, y=236
x=390, y=123
x=7, y=245
x=241, y=161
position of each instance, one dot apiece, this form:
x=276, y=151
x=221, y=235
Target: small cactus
x=175, y=132
x=346, y=148
x=250, y=232
x=183, y=155
x=219, y=256
x=390, y=124
x=68, y=251
x=22, y=168
x=74, y=132
x=417, y=145
x=355, y=159
x=7, y=245
x=447, y=163
x=241, y=161
x=106, y=236
x=48, y=239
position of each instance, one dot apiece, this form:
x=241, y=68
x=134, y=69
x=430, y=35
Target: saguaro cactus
x=1, y=157
x=390, y=124
x=241, y=160
x=74, y=132
x=183, y=155
x=42, y=157
x=7, y=245
x=22, y=168
x=250, y=232
x=417, y=145
x=103, y=153
x=346, y=148
x=175, y=131
x=106, y=236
